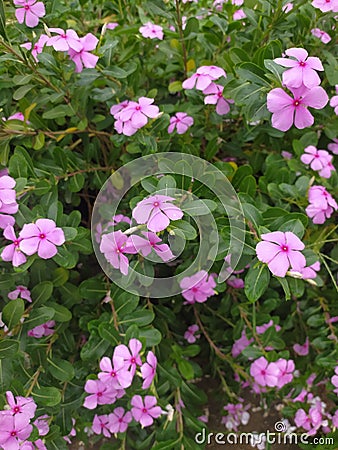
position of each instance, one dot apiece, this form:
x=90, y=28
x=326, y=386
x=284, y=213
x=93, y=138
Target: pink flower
x=131, y=356
x=198, y=287
x=148, y=370
x=156, y=211
x=112, y=25
x=334, y=380
x=114, y=246
x=287, y=7
x=146, y=412
x=42, y=237
x=286, y=369
x=145, y=246
x=321, y=206
x=326, y=5
x=237, y=415
x=318, y=160
x=310, y=272
x=335, y=419
x=190, y=336
x=118, y=420
x=303, y=69
x=237, y=2
x=151, y=31
x=234, y=282
x=334, y=104
x=42, y=330
x=13, y=252
x=286, y=155
x=30, y=12
x=22, y=292
x=302, y=350
x=324, y=37
x=42, y=425
x=139, y=112
x=214, y=96
x=280, y=250
x=265, y=373
x=240, y=344
x=204, y=76
x=287, y=110
x=118, y=377
x=101, y=425
x=7, y=192
x=120, y=218
x=101, y=394
x=312, y=421
x=13, y=428
x=16, y=116
x=21, y=405
x=83, y=57
x=36, y=48
x=239, y=15
x=181, y=121
x=65, y=40
x=115, y=109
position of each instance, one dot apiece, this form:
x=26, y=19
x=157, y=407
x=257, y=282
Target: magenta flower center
x=42, y=236
x=138, y=108
x=296, y=102
x=113, y=374
x=36, y=47
x=156, y=204
x=16, y=243
x=263, y=372
x=302, y=64
x=99, y=394
x=220, y=94
x=120, y=420
x=64, y=36
x=13, y=433
x=16, y=409
x=284, y=248
x=144, y=410
x=118, y=250
x=26, y=7
x=194, y=289
x=133, y=360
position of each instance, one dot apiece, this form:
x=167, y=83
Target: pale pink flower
x=65, y=40
x=310, y=272
x=22, y=292
x=112, y=25
x=265, y=373
x=151, y=31
x=152, y=242
x=35, y=49
x=335, y=419
x=334, y=104
x=115, y=109
x=119, y=421
x=42, y=237
x=117, y=376
x=139, y=112
x=83, y=57
x=302, y=69
x=334, y=380
x=13, y=252
x=13, y=428
x=21, y=405
x=42, y=330
x=318, y=160
x=214, y=96
x=286, y=369
x=100, y=394
x=156, y=211
x=286, y=155
x=101, y=424
x=326, y=5
x=120, y=218
x=181, y=121
x=280, y=251
x=148, y=370
x=302, y=349
x=130, y=355
x=311, y=421
x=237, y=2
x=287, y=110
x=190, y=335
x=198, y=287
x=333, y=147
x=234, y=282
x=16, y=116
x=204, y=76
x=322, y=204
x=114, y=246
x=146, y=412
x=322, y=35
x=239, y=15
x=29, y=12
x=237, y=414
x=287, y=7
x=42, y=425
x=240, y=344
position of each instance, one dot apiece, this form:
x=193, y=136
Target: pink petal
x=46, y=249
x=316, y=98
x=31, y=19
x=151, y=111
x=283, y=120
x=157, y=222
x=286, y=62
x=314, y=63
x=138, y=119
x=310, y=78
x=57, y=236
x=303, y=118
x=293, y=77
x=38, y=9
x=30, y=245
x=279, y=265
x=297, y=260
x=20, y=14
x=172, y=211
x=89, y=42
x=89, y=60
x=298, y=53
x=266, y=251
x=142, y=212
x=45, y=225
x=277, y=99
x=293, y=241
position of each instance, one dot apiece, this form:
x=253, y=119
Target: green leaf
x=295, y=226
x=139, y=317
x=285, y=286
x=58, y=111
x=256, y=282
x=38, y=316
x=61, y=369
x=22, y=91
x=166, y=445
x=70, y=233
x=199, y=207
x=125, y=303
x=185, y=228
x=60, y=276
x=94, y=348
x=108, y=332
x=61, y=313
x=186, y=369
x=12, y=312
x=175, y=86
x=93, y=289
x=8, y=348
x=2, y=21
x=152, y=336
x=42, y=292
x=252, y=214
x=46, y=396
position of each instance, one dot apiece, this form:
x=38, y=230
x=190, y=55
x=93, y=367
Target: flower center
x=16, y=409
x=194, y=289
x=64, y=36
x=36, y=47
x=138, y=108
x=302, y=64
x=144, y=410
x=26, y=7
x=284, y=248
x=13, y=433
x=220, y=94
x=120, y=420
x=156, y=204
x=263, y=372
x=113, y=374
x=99, y=394
x=296, y=102
x=42, y=236
x=133, y=360
x=16, y=243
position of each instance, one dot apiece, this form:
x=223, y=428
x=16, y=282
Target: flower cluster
x=151, y=31
x=78, y=49
x=8, y=204
x=46, y=329
x=197, y=288
x=303, y=82
x=272, y=374
x=190, y=335
x=203, y=80
x=237, y=414
x=22, y=292
x=117, y=374
x=322, y=204
x=40, y=237
x=16, y=427
x=243, y=342
x=318, y=160
x=131, y=116
x=238, y=14
x=322, y=35
x=280, y=251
